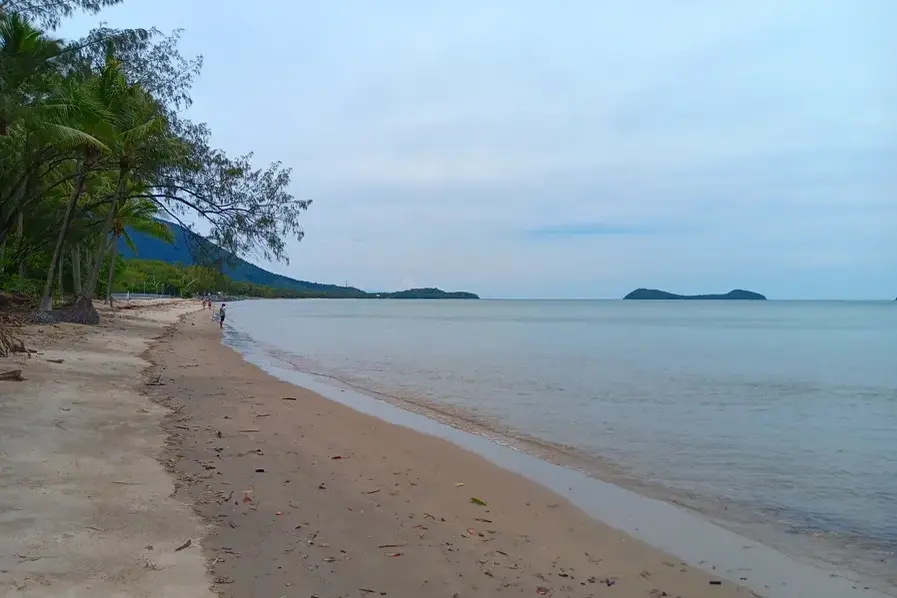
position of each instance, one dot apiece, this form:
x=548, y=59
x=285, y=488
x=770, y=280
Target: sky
x=576, y=149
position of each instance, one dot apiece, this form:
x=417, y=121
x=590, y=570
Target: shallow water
x=777, y=419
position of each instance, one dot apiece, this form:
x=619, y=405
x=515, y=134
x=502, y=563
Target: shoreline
x=674, y=528
x=286, y=476
x=568, y=457
x=248, y=483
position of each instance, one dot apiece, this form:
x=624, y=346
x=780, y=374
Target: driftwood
x=15, y=375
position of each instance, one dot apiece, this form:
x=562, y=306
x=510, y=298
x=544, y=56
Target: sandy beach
x=308, y=497
x=271, y=490
x=87, y=509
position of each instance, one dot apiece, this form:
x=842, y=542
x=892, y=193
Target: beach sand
x=306, y=497
x=85, y=506
x=271, y=490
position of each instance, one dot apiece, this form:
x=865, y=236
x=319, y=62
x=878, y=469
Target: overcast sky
x=564, y=149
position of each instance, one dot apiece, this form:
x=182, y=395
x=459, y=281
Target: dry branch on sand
x=12, y=375
x=9, y=343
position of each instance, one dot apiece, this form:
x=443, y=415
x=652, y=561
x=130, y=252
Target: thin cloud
x=589, y=229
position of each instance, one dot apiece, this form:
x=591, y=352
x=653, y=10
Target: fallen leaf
x=478, y=501
x=395, y=554
x=459, y=484
x=183, y=546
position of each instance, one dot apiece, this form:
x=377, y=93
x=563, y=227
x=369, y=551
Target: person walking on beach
x=221, y=314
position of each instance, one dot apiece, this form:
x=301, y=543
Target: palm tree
x=93, y=118
x=140, y=144
x=138, y=215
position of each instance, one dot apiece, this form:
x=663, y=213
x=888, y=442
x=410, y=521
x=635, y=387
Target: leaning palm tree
x=89, y=119
x=137, y=138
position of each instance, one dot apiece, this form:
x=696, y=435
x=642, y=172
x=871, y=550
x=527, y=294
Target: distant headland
x=733, y=295
x=426, y=293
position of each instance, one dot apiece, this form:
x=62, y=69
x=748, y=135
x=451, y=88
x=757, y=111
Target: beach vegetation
x=94, y=143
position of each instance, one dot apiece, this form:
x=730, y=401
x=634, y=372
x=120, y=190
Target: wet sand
x=307, y=497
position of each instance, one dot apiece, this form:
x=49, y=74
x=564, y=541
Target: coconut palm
x=138, y=215
x=137, y=143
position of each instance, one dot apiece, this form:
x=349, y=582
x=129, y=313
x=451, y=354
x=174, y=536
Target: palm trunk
x=112, y=257
x=21, y=231
x=46, y=303
x=76, y=270
x=90, y=287
x=59, y=281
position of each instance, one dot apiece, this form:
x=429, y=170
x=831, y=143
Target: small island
x=656, y=295
x=427, y=293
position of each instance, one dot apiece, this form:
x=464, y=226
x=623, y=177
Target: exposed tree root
x=82, y=312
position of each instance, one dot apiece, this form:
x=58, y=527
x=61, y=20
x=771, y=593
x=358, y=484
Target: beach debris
x=259, y=470
x=373, y=491
x=13, y=375
x=247, y=496
x=543, y=591
x=367, y=590
x=56, y=360
x=279, y=513
x=400, y=545
x=610, y=581
x=592, y=559
x=155, y=381
x=184, y=545
x=262, y=414
x=249, y=430
x=222, y=580
x=394, y=554
x=287, y=398
x=321, y=486
x=483, y=520
x=458, y=484
x=336, y=457
x=715, y=582
x=218, y=433
x=478, y=501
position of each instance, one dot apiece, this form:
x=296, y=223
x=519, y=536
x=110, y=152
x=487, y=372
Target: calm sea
x=776, y=419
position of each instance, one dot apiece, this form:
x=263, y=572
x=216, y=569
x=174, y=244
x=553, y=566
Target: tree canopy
x=93, y=140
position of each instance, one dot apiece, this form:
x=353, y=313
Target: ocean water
x=775, y=419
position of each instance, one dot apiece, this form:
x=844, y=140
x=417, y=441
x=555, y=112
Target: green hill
x=189, y=249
